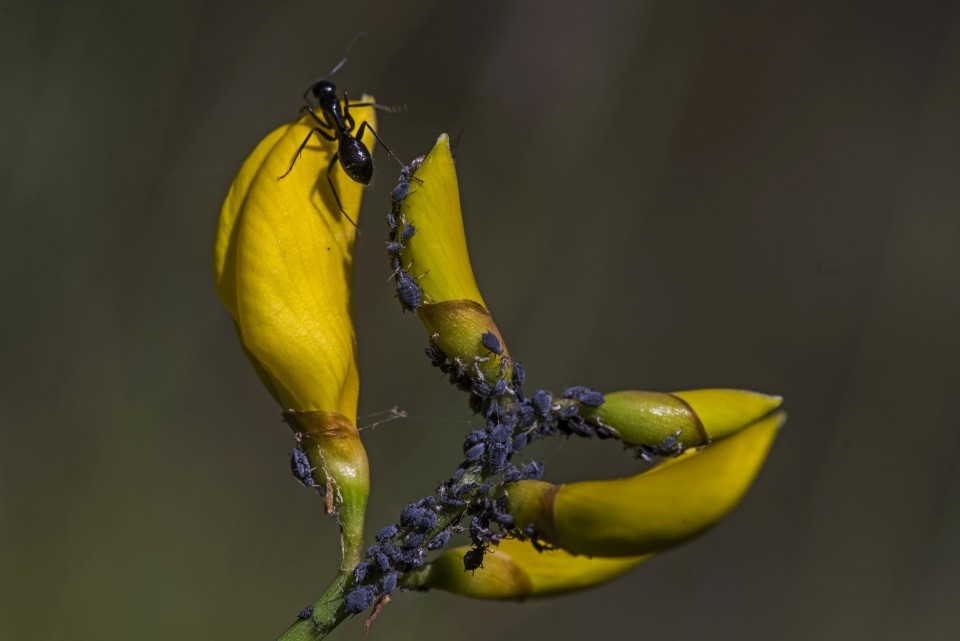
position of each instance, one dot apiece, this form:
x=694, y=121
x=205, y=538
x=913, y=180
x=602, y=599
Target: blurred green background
x=658, y=195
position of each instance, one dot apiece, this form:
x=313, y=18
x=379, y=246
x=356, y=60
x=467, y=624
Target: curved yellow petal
x=724, y=411
x=283, y=260
x=437, y=256
x=652, y=511
x=516, y=570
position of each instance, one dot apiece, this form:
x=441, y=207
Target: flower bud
x=652, y=511
x=694, y=417
x=452, y=311
x=516, y=570
x=283, y=259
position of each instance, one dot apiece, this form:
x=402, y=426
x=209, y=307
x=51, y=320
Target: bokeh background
x=658, y=195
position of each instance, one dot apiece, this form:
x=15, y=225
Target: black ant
x=336, y=125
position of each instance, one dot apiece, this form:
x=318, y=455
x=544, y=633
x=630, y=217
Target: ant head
x=323, y=87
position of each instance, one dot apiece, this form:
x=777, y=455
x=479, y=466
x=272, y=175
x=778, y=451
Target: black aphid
x=519, y=375
x=491, y=342
x=386, y=533
x=300, y=466
x=407, y=233
x=408, y=291
x=359, y=599
x=305, y=613
x=389, y=582
x=542, y=401
x=497, y=457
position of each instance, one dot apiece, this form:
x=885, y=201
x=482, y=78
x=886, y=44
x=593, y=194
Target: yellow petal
x=724, y=411
x=437, y=255
x=283, y=260
x=516, y=570
x=652, y=511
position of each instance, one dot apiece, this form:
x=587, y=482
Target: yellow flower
x=650, y=512
x=283, y=259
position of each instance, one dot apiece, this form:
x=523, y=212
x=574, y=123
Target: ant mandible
x=336, y=125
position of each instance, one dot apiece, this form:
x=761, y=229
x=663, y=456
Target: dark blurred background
x=658, y=195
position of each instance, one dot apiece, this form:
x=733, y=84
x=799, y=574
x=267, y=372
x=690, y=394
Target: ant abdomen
x=356, y=160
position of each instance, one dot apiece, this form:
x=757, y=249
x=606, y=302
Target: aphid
x=569, y=411
x=500, y=433
x=575, y=391
x=439, y=540
x=300, y=466
x=519, y=442
x=500, y=388
x=474, y=452
x=491, y=342
x=512, y=475
x=541, y=402
x=305, y=613
x=457, y=474
x=335, y=124
x=519, y=375
x=497, y=457
x=413, y=540
x=411, y=514
x=591, y=398
x=394, y=248
x=386, y=533
x=383, y=561
x=389, y=582
x=533, y=470
x=464, y=489
x=360, y=571
x=428, y=521
x=359, y=599
x=476, y=436
x=400, y=191
x=407, y=233
x=408, y=291
x=435, y=355
x=480, y=388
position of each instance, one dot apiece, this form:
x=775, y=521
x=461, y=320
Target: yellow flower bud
x=453, y=312
x=283, y=259
x=516, y=570
x=437, y=255
x=694, y=417
x=650, y=512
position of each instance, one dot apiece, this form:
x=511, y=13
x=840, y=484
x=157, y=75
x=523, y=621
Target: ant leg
x=365, y=125
x=296, y=156
x=347, y=118
x=336, y=196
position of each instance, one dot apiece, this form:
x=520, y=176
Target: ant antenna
x=342, y=62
